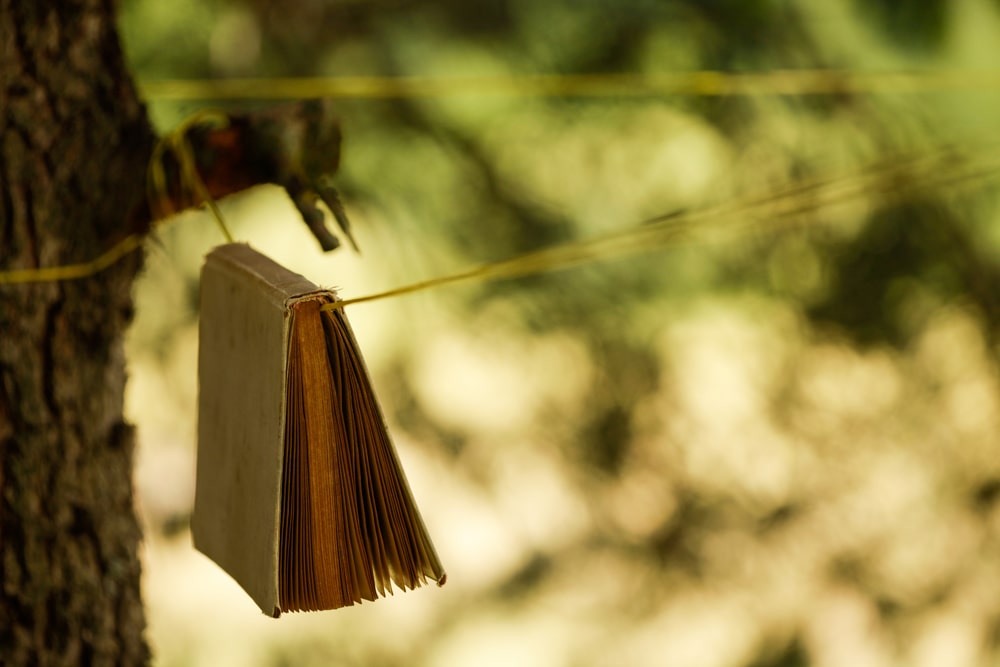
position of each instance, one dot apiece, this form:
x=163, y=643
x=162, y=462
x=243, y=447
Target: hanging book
x=299, y=492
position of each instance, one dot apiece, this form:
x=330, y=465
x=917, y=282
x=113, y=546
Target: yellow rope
x=941, y=167
x=781, y=208
x=73, y=271
x=702, y=83
x=174, y=142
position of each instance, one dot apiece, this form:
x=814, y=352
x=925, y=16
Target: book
x=299, y=492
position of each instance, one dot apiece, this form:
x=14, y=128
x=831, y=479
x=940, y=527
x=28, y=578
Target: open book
x=299, y=494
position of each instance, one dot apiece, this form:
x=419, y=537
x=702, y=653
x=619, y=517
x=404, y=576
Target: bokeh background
x=777, y=448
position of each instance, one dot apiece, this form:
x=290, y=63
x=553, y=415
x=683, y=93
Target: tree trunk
x=74, y=143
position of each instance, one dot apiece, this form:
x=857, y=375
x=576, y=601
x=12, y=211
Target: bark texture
x=74, y=142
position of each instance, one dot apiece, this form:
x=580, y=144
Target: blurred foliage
x=775, y=449
x=922, y=26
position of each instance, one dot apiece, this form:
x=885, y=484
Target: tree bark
x=74, y=144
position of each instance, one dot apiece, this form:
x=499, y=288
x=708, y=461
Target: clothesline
x=696, y=83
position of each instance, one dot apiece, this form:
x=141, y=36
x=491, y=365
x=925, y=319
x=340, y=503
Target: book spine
x=282, y=286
